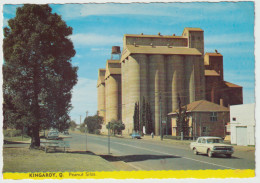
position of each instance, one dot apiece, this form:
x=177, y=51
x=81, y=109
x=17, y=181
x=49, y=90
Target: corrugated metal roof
x=211, y=73
x=204, y=106
x=162, y=50
x=232, y=85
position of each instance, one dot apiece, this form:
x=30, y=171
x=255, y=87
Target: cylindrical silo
x=112, y=98
x=101, y=100
x=143, y=75
x=157, y=88
x=189, y=80
x=133, y=84
x=123, y=69
x=175, y=81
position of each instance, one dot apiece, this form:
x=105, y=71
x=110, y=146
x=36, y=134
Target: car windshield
x=211, y=141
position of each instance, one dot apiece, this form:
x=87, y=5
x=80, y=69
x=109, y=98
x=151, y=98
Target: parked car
x=66, y=132
x=53, y=135
x=211, y=146
x=136, y=135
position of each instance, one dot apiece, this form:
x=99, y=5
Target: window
x=203, y=141
x=199, y=141
x=234, y=119
x=204, y=129
x=213, y=116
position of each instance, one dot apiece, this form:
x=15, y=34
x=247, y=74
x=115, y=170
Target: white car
x=211, y=146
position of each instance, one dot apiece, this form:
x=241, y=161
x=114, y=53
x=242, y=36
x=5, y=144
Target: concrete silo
x=113, y=90
x=101, y=93
x=161, y=68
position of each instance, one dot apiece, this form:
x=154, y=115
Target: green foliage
x=13, y=133
x=37, y=72
x=182, y=120
x=116, y=126
x=136, y=117
x=149, y=121
x=146, y=117
x=93, y=124
x=73, y=125
x=143, y=116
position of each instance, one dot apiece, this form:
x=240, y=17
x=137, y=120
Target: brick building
x=205, y=119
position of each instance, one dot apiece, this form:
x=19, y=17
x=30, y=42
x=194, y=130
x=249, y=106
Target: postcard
x=129, y=91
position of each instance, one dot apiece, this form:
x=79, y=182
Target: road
x=140, y=154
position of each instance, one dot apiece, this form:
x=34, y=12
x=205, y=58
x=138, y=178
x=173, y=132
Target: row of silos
x=160, y=69
x=160, y=79
x=109, y=92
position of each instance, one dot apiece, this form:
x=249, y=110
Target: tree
x=94, y=123
x=136, y=117
x=149, y=121
x=116, y=126
x=37, y=71
x=182, y=120
x=143, y=115
x=73, y=125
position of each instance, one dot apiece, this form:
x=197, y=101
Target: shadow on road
x=134, y=158
x=221, y=156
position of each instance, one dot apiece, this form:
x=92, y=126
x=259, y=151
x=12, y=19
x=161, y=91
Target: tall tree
x=37, y=71
x=182, y=119
x=149, y=120
x=143, y=114
x=136, y=117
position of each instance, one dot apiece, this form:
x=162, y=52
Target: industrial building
x=162, y=69
x=242, y=124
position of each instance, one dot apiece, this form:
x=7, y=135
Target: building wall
x=242, y=116
x=113, y=98
x=101, y=100
x=161, y=78
x=216, y=88
x=200, y=120
x=156, y=40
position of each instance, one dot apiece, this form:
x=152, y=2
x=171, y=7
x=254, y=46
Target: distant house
x=242, y=124
x=205, y=119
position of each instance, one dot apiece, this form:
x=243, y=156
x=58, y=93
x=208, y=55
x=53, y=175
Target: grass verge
x=18, y=138
x=26, y=160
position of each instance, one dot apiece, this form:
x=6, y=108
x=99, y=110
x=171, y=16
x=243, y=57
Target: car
x=211, y=146
x=136, y=135
x=53, y=135
x=66, y=132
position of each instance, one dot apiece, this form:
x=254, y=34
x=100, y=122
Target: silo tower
x=116, y=53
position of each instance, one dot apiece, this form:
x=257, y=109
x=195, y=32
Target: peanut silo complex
x=162, y=70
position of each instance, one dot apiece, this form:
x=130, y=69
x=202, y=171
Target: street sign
x=163, y=122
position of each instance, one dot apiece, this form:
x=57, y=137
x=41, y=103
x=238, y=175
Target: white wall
x=245, y=116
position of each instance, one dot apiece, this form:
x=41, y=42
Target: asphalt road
x=140, y=154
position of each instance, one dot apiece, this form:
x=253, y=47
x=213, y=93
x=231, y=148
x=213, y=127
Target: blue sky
x=228, y=27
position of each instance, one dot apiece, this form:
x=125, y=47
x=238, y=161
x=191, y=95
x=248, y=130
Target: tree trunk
x=35, y=141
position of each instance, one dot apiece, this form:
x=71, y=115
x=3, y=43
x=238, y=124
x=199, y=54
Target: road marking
x=175, y=155
x=171, y=154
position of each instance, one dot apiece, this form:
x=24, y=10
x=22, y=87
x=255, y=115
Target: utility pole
x=86, y=136
x=80, y=120
x=160, y=116
x=108, y=139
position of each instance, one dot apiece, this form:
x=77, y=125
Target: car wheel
x=228, y=155
x=195, y=151
x=210, y=153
